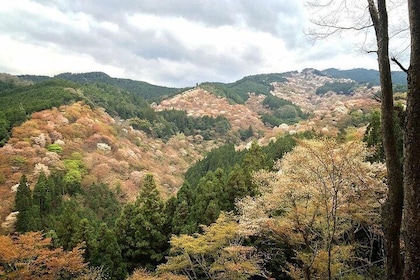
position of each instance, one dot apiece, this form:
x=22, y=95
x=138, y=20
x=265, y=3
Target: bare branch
x=344, y=27
x=399, y=64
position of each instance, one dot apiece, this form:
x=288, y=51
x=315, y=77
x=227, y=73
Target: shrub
x=55, y=148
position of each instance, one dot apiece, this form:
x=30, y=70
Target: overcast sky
x=168, y=42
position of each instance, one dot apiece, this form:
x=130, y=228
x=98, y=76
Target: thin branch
x=399, y=64
x=344, y=27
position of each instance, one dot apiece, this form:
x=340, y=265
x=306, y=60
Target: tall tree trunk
x=412, y=151
x=392, y=209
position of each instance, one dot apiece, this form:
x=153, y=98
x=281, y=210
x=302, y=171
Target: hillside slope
x=105, y=149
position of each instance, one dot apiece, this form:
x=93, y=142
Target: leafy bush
x=55, y=148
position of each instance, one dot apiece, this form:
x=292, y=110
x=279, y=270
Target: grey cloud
x=265, y=16
x=140, y=52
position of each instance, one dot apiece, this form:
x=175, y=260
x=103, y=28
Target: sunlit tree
x=323, y=194
x=218, y=253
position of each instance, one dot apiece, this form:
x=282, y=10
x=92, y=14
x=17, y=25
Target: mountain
x=365, y=76
x=238, y=91
x=143, y=89
x=116, y=135
x=120, y=166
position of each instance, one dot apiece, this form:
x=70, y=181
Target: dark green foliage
x=84, y=233
x=103, y=201
x=214, y=183
x=140, y=229
x=283, y=111
x=118, y=102
x=274, y=102
x=81, y=218
x=23, y=198
x=373, y=136
x=43, y=194
x=223, y=157
x=4, y=128
x=337, y=87
x=143, y=89
x=171, y=122
x=365, y=76
x=210, y=198
x=245, y=134
x=19, y=102
x=239, y=90
x=28, y=218
x=107, y=254
x=65, y=222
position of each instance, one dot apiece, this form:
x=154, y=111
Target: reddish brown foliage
x=29, y=256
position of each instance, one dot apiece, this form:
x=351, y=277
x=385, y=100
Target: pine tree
x=23, y=198
x=84, y=233
x=42, y=194
x=107, y=254
x=140, y=229
x=28, y=218
x=236, y=187
x=67, y=223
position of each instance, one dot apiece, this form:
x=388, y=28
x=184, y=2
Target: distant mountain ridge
x=365, y=76
x=236, y=91
x=145, y=90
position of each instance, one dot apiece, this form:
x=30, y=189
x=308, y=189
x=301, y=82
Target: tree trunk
x=392, y=209
x=412, y=151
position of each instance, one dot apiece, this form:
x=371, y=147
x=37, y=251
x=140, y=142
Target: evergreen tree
x=28, y=218
x=23, y=198
x=66, y=223
x=42, y=195
x=140, y=229
x=4, y=128
x=254, y=160
x=236, y=187
x=107, y=254
x=179, y=218
x=84, y=233
x=210, y=198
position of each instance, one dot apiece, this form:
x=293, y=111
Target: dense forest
x=304, y=205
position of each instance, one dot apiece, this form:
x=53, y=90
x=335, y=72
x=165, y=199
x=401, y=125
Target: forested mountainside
x=365, y=76
x=145, y=90
x=105, y=178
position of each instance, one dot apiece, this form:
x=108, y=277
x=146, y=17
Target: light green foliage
x=18, y=160
x=73, y=178
x=215, y=254
x=54, y=148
